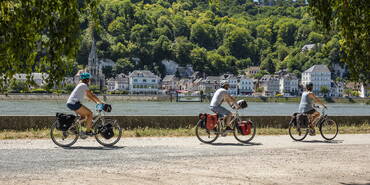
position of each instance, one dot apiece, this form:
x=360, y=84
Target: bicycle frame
x=235, y=117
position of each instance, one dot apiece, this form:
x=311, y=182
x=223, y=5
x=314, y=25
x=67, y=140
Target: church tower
x=95, y=68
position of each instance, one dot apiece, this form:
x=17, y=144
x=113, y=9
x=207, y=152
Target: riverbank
x=168, y=98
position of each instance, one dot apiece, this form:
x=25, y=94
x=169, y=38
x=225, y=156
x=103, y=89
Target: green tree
x=268, y=65
x=324, y=89
x=123, y=65
x=351, y=20
x=37, y=36
x=18, y=86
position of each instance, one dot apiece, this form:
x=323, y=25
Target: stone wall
x=37, y=122
x=29, y=96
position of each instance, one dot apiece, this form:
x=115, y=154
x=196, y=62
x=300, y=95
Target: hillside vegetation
x=215, y=37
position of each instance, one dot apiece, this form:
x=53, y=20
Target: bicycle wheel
x=64, y=138
x=101, y=139
x=244, y=138
x=328, y=129
x=206, y=136
x=297, y=133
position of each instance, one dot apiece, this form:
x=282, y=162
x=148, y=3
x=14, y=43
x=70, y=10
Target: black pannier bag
x=64, y=121
x=107, y=131
x=302, y=120
x=203, y=119
x=293, y=119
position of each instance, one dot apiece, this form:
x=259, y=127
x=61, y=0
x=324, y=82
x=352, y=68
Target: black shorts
x=75, y=106
x=310, y=112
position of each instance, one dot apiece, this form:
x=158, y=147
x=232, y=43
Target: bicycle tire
x=236, y=132
x=324, y=134
x=198, y=128
x=53, y=137
x=115, y=141
x=290, y=130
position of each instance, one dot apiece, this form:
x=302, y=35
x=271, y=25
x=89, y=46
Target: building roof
x=213, y=79
x=143, y=73
x=317, y=68
x=308, y=47
x=269, y=77
x=169, y=78
x=290, y=76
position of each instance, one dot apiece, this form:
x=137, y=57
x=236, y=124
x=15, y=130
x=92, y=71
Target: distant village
x=186, y=80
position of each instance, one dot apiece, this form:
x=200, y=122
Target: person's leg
x=314, y=118
x=227, y=115
x=85, y=112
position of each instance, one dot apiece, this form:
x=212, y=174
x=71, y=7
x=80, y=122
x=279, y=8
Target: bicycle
x=106, y=131
x=328, y=127
x=208, y=136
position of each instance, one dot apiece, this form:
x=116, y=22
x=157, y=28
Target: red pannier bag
x=245, y=127
x=211, y=121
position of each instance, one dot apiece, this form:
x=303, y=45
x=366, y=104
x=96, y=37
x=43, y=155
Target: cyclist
x=218, y=98
x=306, y=106
x=74, y=101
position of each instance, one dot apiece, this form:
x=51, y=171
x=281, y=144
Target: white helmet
x=224, y=82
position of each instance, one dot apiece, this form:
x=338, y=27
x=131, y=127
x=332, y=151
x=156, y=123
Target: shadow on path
x=93, y=148
x=235, y=144
x=366, y=183
x=323, y=141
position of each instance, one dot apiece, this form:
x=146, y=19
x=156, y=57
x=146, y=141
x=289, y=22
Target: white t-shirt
x=218, y=97
x=78, y=93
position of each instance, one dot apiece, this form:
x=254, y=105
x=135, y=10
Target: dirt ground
x=184, y=160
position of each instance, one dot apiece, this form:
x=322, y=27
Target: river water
x=32, y=107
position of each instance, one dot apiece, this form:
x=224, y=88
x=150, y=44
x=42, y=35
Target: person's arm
x=311, y=95
x=92, y=97
x=231, y=101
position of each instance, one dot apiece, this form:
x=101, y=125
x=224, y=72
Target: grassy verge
x=159, y=132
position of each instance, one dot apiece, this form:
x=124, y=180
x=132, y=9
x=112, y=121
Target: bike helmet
x=242, y=104
x=223, y=83
x=309, y=86
x=85, y=76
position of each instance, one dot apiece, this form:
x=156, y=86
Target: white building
x=121, y=82
x=143, y=82
x=337, y=89
x=233, y=83
x=251, y=71
x=270, y=85
x=210, y=84
x=169, y=82
x=288, y=84
x=319, y=75
x=38, y=78
x=246, y=85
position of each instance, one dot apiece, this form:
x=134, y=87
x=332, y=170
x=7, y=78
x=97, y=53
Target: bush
x=39, y=90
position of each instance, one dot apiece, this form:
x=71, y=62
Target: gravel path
x=184, y=160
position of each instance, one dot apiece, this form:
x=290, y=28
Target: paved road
x=269, y=160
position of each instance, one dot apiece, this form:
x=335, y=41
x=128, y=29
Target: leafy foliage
x=351, y=20
x=39, y=36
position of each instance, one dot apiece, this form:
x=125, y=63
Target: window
x=153, y=80
x=144, y=80
x=135, y=80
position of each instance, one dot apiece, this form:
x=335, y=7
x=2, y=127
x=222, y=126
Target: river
x=32, y=107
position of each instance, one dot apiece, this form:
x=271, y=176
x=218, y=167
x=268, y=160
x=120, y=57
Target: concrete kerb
x=127, y=122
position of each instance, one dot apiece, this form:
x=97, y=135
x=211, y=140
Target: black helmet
x=242, y=104
x=309, y=86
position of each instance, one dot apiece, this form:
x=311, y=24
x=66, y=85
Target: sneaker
x=85, y=135
x=228, y=129
x=312, y=132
